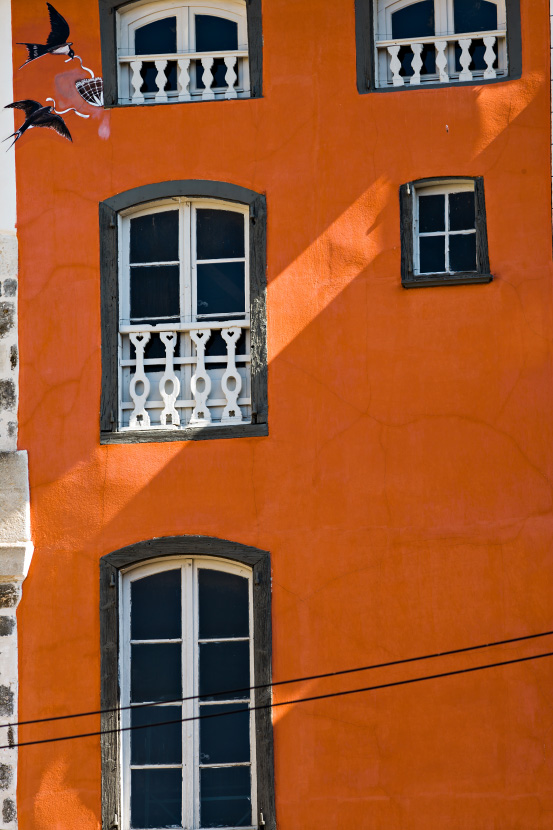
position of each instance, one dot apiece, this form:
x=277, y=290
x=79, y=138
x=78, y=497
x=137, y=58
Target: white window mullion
x=446, y=219
x=188, y=686
x=193, y=263
x=125, y=720
x=195, y=666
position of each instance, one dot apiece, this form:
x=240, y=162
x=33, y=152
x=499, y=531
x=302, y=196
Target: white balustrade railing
x=236, y=78
x=184, y=387
x=390, y=62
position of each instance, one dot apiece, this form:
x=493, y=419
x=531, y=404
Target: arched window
x=193, y=751
x=423, y=42
x=171, y=50
x=189, y=312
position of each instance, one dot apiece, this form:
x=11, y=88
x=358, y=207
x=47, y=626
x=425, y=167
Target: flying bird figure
x=57, y=43
x=37, y=115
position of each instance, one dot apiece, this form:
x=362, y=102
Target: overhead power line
x=273, y=685
x=283, y=703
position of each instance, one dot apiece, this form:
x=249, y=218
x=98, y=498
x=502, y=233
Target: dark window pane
x=428, y=61
x=155, y=291
x=223, y=667
x=462, y=252
x=221, y=288
x=432, y=254
x=477, y=50
x=461, y=211
x=431, y=214
x=416, y=20
x=156, y=744
x=225, y=797
x=225, y=740
x=215, y=34
x=218, y=70
x=155, y=237
x=156, y=607
x=474, y=16
x=217, y=346
x=156, y=798
x=224, y=605
x=156, y=38
x=156, y=672
x=219, y=234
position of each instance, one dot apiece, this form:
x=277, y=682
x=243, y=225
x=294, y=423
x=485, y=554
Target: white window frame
x=140, y=14
x=187, y=255
x=445, y=188
x=190, y=678
x=444, y=26
x=187, y=263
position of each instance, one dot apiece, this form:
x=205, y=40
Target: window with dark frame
x=183, y=313
x=171, y=51
x=186, y=748
x=443, y=233
x=403, y=44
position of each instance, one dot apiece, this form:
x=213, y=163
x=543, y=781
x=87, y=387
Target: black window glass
x=225, y=797
x=155, y=672
x=224, y=667
x=219, y=234
x=224, y=605
x=220, y=288
x=156, y=798
x=154, y=291
x=152, y=743
x=474, y=16
x=225, y=739
x=461, y=211
x=462, y=252
x=155, y=237
x=431, y=214
x=416, y=20
x=215, y=34
x=156, y=38
x=432, y=254
x=156, y=607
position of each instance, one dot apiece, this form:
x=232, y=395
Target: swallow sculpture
x=58, y=39
x=37, y=115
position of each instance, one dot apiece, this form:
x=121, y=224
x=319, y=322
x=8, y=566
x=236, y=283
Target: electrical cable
x=281, y=703
x=285, y=682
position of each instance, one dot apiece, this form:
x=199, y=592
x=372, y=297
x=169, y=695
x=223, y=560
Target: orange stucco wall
x=406, y=488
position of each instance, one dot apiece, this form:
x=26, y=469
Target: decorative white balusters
x=395, y=65
x=417, y=63
x=139, y=416
x=231, y=77
x=441, y=60
x=465, y=59
x=183, y=79
x=231, y=380
x=200, y=382
x=169, y=338
x=490, y=56
x=207, y=93
x=136, y=81
x=161, y=80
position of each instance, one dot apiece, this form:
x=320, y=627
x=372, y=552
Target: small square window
x=444, y=239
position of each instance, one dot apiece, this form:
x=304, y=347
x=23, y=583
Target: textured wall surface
x=405, y=490
x=15, y=545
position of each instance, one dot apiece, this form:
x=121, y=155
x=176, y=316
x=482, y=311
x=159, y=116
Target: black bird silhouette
x=38, y=116
x=57, y=43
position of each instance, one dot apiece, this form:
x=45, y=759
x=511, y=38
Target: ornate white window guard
x=495, y=43
x=188, y=63
x=189, y=390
